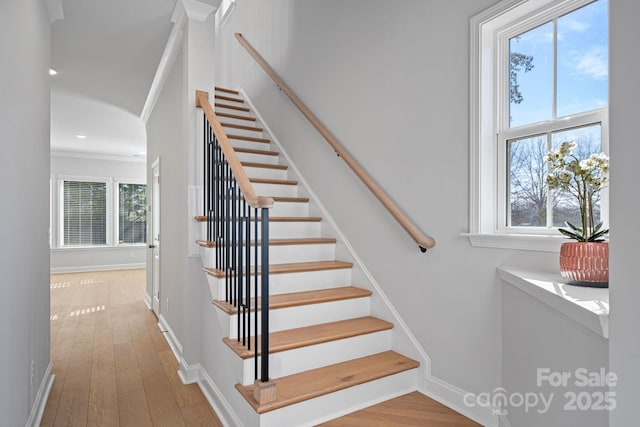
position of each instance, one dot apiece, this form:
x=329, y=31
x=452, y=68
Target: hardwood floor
x=413, y=409
x=112, y=364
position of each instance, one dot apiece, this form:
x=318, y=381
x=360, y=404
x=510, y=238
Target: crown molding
x=56, y=12
x=198, y=10
x=171, y=49
x=184, y=9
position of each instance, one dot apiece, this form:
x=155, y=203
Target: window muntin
x=84, y=213
x=549, y=72
x=132, y=213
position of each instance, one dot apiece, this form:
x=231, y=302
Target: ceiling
x=106, y=53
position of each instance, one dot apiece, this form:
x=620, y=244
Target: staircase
x=328, y=355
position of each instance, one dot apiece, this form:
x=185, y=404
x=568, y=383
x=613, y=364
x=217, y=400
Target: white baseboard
x=216, y=399
x=171, y=338
x=147, y=300
x=86, y=268
x=189, y=374
x=453, y=397
x=37, y=410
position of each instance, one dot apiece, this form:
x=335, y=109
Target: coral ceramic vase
x=585, y=263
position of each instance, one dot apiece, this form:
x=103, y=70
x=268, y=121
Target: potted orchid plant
x=586, y=261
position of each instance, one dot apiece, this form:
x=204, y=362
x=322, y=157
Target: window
x=132, y=213
x=539, y=77
x=84, y=213
x=99, y=212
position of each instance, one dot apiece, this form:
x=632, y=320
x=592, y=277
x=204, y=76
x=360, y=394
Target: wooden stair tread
x=410, y=410
x=273, y=181
x=231, y=107
x=293, y=267
x=312, y=335
x=264, y=165
x=203, y=218
x=229, y=98
x=281, y=242
x=307, y=385
x=241, y=127
x=235, y=116
x=249, y=138
x=222, y=89
x=289, y=199
x=252, y=151
x=296, y=299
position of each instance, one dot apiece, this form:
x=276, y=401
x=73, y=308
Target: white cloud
x=577, y=26
x=594, y=63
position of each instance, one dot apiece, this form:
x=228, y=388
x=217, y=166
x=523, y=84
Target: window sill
x=587, y=306
x=523, y=242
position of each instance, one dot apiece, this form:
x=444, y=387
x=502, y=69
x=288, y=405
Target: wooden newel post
x=264, y=392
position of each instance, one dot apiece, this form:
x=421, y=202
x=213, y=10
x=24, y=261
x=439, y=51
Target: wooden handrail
x=423, y=241
x=255, y=201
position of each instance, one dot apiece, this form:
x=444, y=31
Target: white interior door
x=155, y=237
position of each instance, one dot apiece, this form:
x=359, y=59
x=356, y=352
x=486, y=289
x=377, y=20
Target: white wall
x=537, y=336
x=625, y=205
x=24, y=171
x=165, y=141
x=91, y=259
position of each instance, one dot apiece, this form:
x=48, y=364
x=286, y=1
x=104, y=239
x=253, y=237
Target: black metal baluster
x=247, y=274
x=219, y=204
x=205, y=166
x=264, y=377
x=240, y=268
x=210, y=215
x=227, y=235
x=255, y=292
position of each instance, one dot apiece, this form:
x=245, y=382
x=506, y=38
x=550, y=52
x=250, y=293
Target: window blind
x=85, y=213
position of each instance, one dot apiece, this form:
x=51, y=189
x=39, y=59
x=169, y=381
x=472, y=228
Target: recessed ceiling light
x=52, y=72
x=81, y=136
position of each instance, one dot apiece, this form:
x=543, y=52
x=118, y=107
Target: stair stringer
x=403, y=340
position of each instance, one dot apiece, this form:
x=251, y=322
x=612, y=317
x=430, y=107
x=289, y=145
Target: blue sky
x=582, y=43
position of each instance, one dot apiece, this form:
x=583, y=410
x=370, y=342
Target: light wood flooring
x=112, y=365
x=413, y=409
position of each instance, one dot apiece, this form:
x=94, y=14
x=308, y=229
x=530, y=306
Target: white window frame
x=116, y=210
x=490, y=32
x=109, y=214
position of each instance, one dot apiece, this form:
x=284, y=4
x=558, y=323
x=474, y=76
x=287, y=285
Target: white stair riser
x=289, y=209
x=257, y=158
x=316, y=356
x=253, y=145
x=243, y=132
x=266, y=173
x=281, y=230
x=275, y=190
x=306, y=315
x=231, y=110
x=291, y=282
x=237, y=121
x=281, y=254
x=315, y=411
